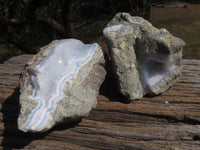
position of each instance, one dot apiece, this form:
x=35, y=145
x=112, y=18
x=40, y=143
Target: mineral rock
x=146, y=60
x=60, y=83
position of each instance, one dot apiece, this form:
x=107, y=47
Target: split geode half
x=61, y=82
x=146, y=60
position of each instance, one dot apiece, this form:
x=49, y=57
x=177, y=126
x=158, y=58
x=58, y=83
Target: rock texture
x=60, y=83
x=169, y=121
x=146, y=60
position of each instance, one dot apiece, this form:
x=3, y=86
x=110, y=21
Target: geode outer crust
x=146, y=60
x=79, y=92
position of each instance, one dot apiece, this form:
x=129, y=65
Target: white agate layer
x=114, y=28
x=61, y=65
x=155, y=68
x=146, y=60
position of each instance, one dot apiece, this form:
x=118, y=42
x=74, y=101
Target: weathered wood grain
x=168, y=121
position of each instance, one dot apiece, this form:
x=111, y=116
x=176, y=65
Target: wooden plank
x=168, y=121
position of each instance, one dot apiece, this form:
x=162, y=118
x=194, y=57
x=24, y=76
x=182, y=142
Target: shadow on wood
x=109, y=88
x=12, y=136
x=168, y=121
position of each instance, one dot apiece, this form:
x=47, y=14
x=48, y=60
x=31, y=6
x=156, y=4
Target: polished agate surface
x=49, y=77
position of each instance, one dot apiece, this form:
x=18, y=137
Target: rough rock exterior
x=60, y=83
x=146, y=60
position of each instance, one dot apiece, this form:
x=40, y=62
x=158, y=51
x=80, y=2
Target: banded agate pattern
x=50, y=75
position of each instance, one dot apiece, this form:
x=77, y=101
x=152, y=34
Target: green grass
x=93, y=31
x=181, y=22
x=7, y=51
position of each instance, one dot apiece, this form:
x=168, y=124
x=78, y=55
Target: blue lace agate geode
x=54, y=81
x=146, y=60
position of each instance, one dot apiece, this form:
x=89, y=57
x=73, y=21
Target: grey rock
x=59, y=84
x=146, y=60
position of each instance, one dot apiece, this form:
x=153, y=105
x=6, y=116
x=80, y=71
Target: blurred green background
x=27, y=25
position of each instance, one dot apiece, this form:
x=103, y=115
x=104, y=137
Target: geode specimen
x=146, y=60
x=60, y=83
